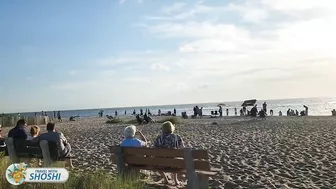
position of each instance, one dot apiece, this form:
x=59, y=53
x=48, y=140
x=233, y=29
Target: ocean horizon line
x=144, y=106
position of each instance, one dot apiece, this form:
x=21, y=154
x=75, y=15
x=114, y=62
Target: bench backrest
x=25, y=147
x=172, y=158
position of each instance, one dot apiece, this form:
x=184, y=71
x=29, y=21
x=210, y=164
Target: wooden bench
x=195, y=163
x=24, y=150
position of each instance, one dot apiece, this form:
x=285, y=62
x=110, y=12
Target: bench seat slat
x=210, y=173
x=162, y=162
x=197, y=154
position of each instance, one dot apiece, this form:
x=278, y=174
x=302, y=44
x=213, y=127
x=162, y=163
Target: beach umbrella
x=249, y=102
x=221, y=104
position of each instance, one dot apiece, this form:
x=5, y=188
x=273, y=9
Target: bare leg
x=164, y=177
x=174, y=175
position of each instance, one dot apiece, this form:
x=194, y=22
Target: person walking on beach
x=306, y=110
x=168, y=140
x=125, y=112
x=227, y=112
x=254, y=111
x=134, y=112
x=271, y=112
x=174, y=111
x=59, y=116
x=333, y=113
x=159, y=112
x=220, y=111
x=235, y=111
x=141, y=111
x=265, y=107
x=244, y=110
x=116, y=113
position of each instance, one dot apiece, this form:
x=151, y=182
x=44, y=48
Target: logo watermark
x=19, y=173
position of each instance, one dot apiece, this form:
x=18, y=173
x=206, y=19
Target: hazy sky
x=61, y=54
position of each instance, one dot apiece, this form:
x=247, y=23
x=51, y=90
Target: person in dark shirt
x=254, y=111
x=19, y=130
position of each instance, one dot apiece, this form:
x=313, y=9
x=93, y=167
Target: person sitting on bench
x=53, y=136
x=34, y=132
x=130, y=140
x=19, y=132
x=169, y=140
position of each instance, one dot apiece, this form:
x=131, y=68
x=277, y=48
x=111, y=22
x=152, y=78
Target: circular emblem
x=16, y=173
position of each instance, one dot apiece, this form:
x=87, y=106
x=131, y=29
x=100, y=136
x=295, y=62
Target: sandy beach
x=277, y=152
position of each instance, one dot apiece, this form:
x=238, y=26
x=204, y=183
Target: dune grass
x=95, y=180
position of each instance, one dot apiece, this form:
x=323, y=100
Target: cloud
x=265, y=49
x=122, y=1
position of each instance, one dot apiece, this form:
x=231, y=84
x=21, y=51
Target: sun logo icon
x=16, y=173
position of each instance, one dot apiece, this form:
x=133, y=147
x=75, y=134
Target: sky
x=60, y=54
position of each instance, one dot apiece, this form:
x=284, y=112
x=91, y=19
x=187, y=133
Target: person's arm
x=143, y=138
x=65, y=142
x=181, y=142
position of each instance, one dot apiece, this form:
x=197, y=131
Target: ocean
x=317, y=107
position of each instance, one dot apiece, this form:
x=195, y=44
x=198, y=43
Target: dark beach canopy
x=249, y=102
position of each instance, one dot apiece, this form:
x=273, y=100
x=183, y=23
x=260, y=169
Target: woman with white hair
x=169, y=140
x=130, y=140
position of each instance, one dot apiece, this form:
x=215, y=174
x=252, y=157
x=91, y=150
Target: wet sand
x=277, y=152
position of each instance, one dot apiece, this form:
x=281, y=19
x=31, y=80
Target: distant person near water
x=306, y=110
x=59, y=116
x=262, y=113
x=271, y=112
x=235, y=109
x=265, y=107
x=254, y=111
x=227, y=112
x=333, y=112
x=280, y=113
x=174, y=111
x=220, y=111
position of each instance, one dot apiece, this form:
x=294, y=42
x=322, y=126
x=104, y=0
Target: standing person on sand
x=220, y=111
x=265, y=107
x=227, y=112
x=306, y=110
x=235, y=111
x=59, y=116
